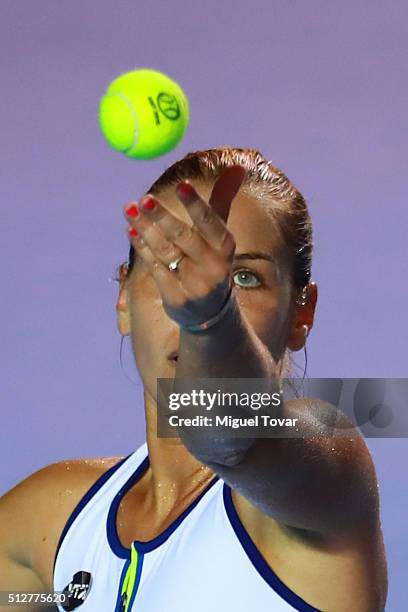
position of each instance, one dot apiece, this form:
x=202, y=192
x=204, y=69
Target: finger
x=167, y=282
x=163, y=249
x=176, y=288
x=171, y=233
x=195, y=280
x=225, y=189
x=208, y=223
x=151, y=220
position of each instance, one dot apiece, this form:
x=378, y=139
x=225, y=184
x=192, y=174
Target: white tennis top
x=204, y=561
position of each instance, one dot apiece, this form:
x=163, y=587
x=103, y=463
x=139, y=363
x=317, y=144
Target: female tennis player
x=217, y=285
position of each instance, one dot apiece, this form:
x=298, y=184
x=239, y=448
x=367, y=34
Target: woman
x=211, y=290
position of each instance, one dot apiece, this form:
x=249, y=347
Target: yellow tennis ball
x=144, y=114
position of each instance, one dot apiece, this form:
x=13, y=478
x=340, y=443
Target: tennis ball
x=143, y=114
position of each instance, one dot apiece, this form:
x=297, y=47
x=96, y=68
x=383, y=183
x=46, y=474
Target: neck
x=172, y=465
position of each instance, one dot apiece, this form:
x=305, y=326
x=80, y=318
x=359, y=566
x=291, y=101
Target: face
x=262, y=285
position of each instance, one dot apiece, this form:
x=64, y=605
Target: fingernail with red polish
x=148, y=203
x=186, y=190
x=132, y=232
x=132, y=210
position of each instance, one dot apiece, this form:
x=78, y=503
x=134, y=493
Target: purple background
x=319, y=87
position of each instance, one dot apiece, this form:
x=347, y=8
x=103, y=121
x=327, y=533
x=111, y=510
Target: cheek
x=146, y=321
x=268, y=313
x=267, y=322
x=152, y=330
x=145, y=302
x=145, y=311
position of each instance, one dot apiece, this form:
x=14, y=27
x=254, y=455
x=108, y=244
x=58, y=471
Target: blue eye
x=246, y=279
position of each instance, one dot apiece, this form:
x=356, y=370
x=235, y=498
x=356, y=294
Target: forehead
x=250, y=219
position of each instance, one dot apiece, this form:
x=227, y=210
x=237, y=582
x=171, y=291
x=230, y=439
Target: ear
x=303, y=320
x=122, y=305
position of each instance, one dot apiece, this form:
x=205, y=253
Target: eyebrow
x=255, y=255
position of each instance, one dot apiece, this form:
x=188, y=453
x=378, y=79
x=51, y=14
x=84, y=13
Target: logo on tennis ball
x=167, y=105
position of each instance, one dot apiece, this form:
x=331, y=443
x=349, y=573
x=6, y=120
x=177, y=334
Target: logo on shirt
x=77, y=590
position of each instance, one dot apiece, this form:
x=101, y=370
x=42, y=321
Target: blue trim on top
x=84, y=500
x=143, y=547
x=257, y=559
x=111, y=530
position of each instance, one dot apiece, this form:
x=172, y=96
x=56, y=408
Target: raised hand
x=191, y=264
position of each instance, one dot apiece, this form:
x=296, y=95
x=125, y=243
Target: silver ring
x=173, y=265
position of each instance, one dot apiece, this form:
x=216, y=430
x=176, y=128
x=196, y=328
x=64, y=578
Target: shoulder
x=341, y=568
x=340, y=573
x=331, y=569
x=34, y=512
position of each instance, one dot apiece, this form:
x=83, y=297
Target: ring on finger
x=173, y=265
